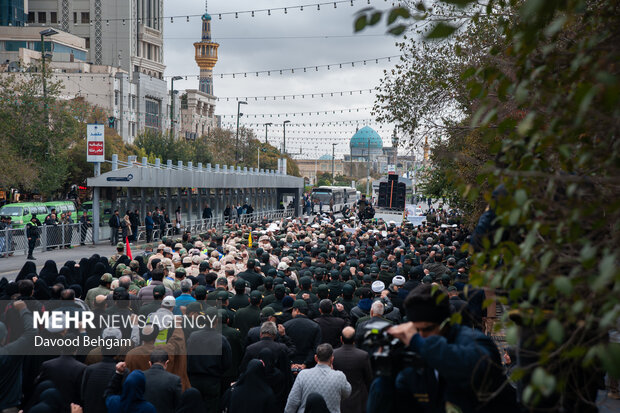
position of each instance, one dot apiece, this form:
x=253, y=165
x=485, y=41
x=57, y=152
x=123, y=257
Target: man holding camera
x=462, y=369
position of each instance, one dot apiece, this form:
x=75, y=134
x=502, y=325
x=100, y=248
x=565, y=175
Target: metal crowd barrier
x=15, y=240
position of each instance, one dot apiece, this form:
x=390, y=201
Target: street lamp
x=284, y=143
x=316, y=163
x=266, y=125
x=333, y=160
x=172, y=105
x=45, y=33
x=241, y=102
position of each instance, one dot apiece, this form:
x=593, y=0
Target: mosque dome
x=326, y=157
x=360, y=139
x=206, y=16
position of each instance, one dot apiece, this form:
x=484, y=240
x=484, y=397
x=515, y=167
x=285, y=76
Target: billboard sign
x=95, y=143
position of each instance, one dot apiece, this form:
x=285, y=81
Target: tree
x=534, y=87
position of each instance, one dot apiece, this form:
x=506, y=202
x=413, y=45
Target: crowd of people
x=301, y=309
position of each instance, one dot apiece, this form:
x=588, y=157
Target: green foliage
x=527, y=94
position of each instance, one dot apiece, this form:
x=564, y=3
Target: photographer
x=460, y=368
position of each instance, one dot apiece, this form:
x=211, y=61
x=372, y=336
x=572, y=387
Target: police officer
x=32, y=233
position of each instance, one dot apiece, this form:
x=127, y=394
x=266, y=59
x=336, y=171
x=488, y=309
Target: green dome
x=360, y=139
x=206, y=16
x=326, y=157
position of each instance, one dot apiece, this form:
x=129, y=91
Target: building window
x=75, y=20
x=30, y=17
x=152, y=113
x=87, y=42
x=116, y=96
x=148, y=53
x=85, y=17
x=42, y=17
x=133, y=129
x=53, y=17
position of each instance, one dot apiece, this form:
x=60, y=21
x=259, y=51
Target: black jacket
x=253, y=278
x=163, y=389
x=201, y=360
x=331, y=327
x=279, y=352
x=355, y=364
x=306, y=334
x=207, y=213
x=95, y=379
x=66, y=373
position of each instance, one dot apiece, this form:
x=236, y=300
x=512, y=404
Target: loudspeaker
x=392, y=177
x=383, y=195
x=400, y=196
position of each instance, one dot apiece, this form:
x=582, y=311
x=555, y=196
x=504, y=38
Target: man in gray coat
x=331, y=384
x=355, y=364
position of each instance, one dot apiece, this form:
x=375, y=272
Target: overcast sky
x=244, y=47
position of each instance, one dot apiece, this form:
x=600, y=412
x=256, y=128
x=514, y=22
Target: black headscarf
x=29, y=267
x=142, y=269
x=41, y=290
x=73, y=276
x=84, y=270
x=191, y=402
x=315, y=403
x=251, y=393
x=77, y=289
x=50, y=402
x=49, y=272
x=36, y=394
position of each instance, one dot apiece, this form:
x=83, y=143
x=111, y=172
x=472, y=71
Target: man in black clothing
x=331, y=326
x=97, y=376
x=305, y=333
x=208, y=357
x=32, y=233
x=207, y=213
x=84, y=225
x=240, y=299
x=163, y=389
x=115, y=225
x=268, y=334
x=134, y=218
x=251, y=276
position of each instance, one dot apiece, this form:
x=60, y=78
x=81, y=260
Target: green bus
x=105, y=210
x=21, y=212
x=62, y=207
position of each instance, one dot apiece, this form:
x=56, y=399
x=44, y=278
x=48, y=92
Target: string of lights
x=254, y=12
x=306, y=113
x=313, y=95
x=295, y=70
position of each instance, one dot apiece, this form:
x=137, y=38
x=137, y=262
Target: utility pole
x=333, y=160
x=45, y=33
x=316, y=164
x=172, y=105
x=284, y=137
x=239, y=114
x=266, y=125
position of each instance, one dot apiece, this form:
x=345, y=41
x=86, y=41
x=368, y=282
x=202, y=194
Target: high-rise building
x=13, y=12
x=126, y=35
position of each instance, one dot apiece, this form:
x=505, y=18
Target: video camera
x=388, y=353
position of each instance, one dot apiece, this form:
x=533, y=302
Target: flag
x=127, y=248
x=250, y=240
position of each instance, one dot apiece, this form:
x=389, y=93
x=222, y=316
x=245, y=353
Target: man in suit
x=305, y=333
x=65, y=372
x=355, y=364
x=331, y=326
x=251, y=276
x=249, y=316
x=163, y=389
x=97, y=376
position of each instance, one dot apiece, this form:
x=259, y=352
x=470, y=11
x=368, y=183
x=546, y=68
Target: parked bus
x=60, y=207
x=21, y=212
x=342, y=197
x=105, y=210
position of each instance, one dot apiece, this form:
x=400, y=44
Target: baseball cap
x=193, y=307
x=240, y=283
x=168, y=302
x=120, y=245
x=267, y=312
x=282, y=266
x=300, y=304
x=398, y=280
x=378, y=286
x=107, y=277
x=159, y=291
x=187, y=260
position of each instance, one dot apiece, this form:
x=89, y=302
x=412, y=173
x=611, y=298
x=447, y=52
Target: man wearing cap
x=249, y=316
x=120, y=251
x=236, y=341
x=305, y=334
x=159, y=254
x=221, y=284
x=102, y=289
x=463, y=361
x=240, y=299
x=385, y=275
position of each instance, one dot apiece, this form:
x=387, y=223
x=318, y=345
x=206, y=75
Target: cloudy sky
x=296, y=39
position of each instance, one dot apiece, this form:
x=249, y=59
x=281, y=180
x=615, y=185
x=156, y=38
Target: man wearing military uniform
x=102, y=289
x=32, y=233
x=120, y=251
x=249, y=316
x=240, y=299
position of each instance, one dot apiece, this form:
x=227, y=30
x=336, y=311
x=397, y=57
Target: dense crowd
x=318, y=315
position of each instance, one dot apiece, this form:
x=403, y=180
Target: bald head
x=348, y=335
